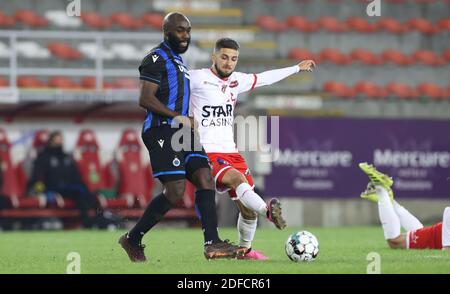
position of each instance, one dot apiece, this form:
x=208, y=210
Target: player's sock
x=246, y=229
x=408, y=221
x=154, y=212
x=250, y=199
x=388, y=218
x=205, y=204
x=446, y=228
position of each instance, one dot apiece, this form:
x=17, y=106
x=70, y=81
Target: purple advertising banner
x=319, y=157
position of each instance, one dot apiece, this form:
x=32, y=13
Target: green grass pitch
x=342, y=250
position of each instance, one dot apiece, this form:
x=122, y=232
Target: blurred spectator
x=55, y=174
x=3, y=199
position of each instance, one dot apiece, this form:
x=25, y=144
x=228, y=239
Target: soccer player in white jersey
x=393, y=216
x=214, y=93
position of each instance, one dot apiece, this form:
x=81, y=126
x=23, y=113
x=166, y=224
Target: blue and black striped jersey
x=164, y=67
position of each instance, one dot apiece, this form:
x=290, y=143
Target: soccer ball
x=302, y=246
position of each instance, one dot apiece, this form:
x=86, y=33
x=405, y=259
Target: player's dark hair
x=52, y=136
x=226, y=43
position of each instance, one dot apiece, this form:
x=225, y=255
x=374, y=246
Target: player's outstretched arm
x=273, y=76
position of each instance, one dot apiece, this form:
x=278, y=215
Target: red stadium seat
x=91, y=83
x=95, y=20
x=446, y=55
x=126, y=83
x=95, y=176
x=62, y=83
x=444, y=24
x=64, y=51
x=338, y=89
x=400, y=90
x=30, y=82
x=369, y=89
x=126, y=21
x=31, y=18
x=154, y=20
x=6, y=21
x=427, y=57
x=392, y=26
x=301, y=24
x=270, y=23
x=431, y=90
x=302, y=54
x=361, y=25
x=14, y=179
x=4, y=82
x=396, y=57
x=422, y=25
x=331, y=24
x=365, y=57
x=135, y=177
x=334, y=56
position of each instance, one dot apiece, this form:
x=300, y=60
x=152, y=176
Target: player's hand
x=307, y=65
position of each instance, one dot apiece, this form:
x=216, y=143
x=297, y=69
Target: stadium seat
x=446, y=55
x=392, y=25
x=331, y=24
x=270, y=23
x=135, y=177
x=6, y=21
x=96, y=177
x=301, y=24
x=152, y=19
x=428, y=57
x=14, y=179
x=126, y=83
x=400, y=90
x=369, y=89
x=444, y=24
x=365, y=57
x=422, y=25
x=4, y=82
x=64, y=51
x=61, y=19
x=338, y=89
x=334, y=56
x=361, y=25
x=126, y=21
x=31, y=18
x=396, y=57
x=431, y=90
x=32, y=50
x=91, y=83
x=302, y=54
x=30, y=82
x=62, y=83
x=94, y=20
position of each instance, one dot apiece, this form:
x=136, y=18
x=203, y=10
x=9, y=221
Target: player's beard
x=175, y=43
x=221, y=73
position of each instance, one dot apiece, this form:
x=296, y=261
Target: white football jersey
x=212, y=105
x=213, y=99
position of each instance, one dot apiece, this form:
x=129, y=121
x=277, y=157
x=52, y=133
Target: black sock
x=205, y=204
x=154, y=212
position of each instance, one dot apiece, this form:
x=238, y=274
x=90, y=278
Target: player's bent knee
x=236, y=179
x=175, y=191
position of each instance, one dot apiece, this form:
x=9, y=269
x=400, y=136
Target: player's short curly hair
x=226, y=43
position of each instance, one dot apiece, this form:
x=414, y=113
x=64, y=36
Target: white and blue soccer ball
x=302, y=246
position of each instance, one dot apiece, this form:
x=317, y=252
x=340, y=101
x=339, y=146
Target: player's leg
x=407, y=220
x=198, y=172
x=246, y=225
x=169, y=169
x=239, y=185
x=446, y=229
x=389, y=219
